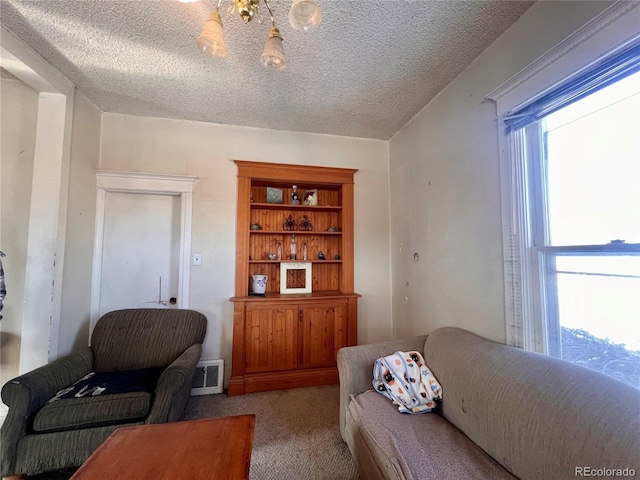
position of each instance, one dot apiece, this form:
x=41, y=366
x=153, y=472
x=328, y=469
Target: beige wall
x=18, y=126
x=206, y=150
x=445, y=186
x=76, y=288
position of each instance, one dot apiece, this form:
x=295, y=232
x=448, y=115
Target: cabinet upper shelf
x=294, y=261
x=291, y=232
x=287, y=206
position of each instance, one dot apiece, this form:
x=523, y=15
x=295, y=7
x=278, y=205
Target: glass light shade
x=211, y=40
x=273, y=53
x=305, y=14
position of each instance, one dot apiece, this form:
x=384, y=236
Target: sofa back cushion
x=540, y=417
x=133, y=339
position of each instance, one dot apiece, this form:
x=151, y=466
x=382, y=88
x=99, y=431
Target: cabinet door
x=271, y=341
x=323, y=330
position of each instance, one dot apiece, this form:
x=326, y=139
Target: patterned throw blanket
x=405, y=380
x=125, y=381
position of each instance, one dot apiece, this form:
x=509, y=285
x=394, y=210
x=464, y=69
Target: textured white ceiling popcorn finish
x=367, y=70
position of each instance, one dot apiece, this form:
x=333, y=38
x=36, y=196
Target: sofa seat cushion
x=420, y=446
x=86, y=412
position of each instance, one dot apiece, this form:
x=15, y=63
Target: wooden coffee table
x=216, y=448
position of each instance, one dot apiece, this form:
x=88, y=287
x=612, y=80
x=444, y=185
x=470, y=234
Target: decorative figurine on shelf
x=337, y=257
x=271, y=256
x=292, y=247
x=304, y=251
x=279, y=251
x=289, y=224
x=311, y=197
x=251, y=197
x=333, y=229
x=295, y=198
x=255, y=226
x=305, y=224
x=321, y=255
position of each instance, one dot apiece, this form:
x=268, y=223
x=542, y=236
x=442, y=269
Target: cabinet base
x=263, y=382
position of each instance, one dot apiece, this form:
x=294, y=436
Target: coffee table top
x=215, y=448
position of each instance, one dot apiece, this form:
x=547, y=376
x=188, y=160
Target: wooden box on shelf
x=287, y=340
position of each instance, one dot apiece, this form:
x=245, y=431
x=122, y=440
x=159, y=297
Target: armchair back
x=132, y=339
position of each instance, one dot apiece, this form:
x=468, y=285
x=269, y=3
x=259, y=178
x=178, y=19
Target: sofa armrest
x=174, y=387
x=355, y=366
x=26, y=394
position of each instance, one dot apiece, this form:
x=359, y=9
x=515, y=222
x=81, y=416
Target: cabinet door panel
x=323, y=330
x=271, y=338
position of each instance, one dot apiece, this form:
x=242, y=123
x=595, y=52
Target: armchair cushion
x=88, y=412
x=98, y=399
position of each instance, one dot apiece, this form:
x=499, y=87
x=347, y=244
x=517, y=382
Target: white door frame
x=150, y=183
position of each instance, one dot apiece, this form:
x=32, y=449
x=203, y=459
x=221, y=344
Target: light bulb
x=305, y=14
x=211, y=40
x=273, y=53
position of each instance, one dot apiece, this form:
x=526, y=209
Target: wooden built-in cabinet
x=291, y=340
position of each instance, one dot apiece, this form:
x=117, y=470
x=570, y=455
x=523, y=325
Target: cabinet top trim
x=294, y=173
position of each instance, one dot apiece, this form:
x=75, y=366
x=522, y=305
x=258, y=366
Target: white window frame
x=523, y=251
x=539, y=309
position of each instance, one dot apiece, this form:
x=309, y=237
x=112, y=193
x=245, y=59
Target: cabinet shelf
x=295, y=261
x=291, y=232
x=287, y=206
x=295, y=297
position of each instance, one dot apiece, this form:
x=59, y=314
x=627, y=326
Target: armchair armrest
x=26, y=394
x=355, y=367
x=174, y=387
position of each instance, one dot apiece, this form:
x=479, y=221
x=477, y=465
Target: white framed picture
x=295, y=277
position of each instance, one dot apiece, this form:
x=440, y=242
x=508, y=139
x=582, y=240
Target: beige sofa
x=505, y=413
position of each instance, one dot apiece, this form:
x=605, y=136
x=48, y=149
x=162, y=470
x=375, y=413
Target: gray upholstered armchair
x=158, y=348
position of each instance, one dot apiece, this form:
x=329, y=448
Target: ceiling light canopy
x=304, y=15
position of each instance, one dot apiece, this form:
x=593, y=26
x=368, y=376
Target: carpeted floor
x=297, y=435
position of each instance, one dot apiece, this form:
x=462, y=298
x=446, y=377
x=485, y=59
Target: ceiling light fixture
x=304, y=15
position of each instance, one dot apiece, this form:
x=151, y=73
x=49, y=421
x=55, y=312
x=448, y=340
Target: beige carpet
x=297, y=435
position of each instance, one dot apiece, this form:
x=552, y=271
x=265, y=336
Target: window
x=576, y=160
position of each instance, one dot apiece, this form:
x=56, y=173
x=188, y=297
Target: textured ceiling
x=367, y=70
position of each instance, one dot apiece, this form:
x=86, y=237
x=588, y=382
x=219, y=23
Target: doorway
x=143, y=242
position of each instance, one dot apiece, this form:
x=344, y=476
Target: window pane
x=599, y=313
x=593, y=167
